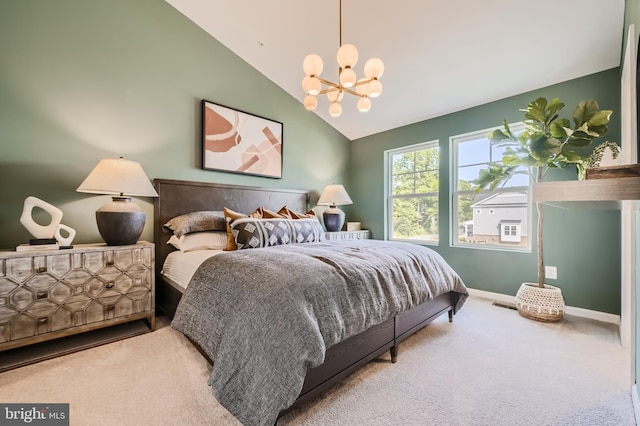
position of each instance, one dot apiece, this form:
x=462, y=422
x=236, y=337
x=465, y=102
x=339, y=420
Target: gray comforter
x=267, y=315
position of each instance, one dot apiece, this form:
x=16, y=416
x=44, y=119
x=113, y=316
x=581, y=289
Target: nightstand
x=54, y=302
x=363, y=234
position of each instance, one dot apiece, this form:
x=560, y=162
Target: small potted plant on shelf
x=547, y=142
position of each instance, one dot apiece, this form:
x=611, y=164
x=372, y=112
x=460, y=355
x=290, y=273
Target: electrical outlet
x=551, y=272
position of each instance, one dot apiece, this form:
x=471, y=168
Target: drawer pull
x=42, y=295
x=42, y=269
x=111, y=307
x=110, y=263
x=43, y=320
x=110, y=284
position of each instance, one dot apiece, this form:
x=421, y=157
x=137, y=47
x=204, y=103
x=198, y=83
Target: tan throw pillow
x=270, y=214
x=230, y=216
x=286, y=212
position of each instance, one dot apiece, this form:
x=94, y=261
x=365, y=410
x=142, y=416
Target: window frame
x=388, y=154
x=454, y=142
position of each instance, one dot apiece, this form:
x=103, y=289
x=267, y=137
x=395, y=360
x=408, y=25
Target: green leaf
x=498, y=135
x=600, y=118
x=599, y=130
x=557, y=130
x=573, y=157
x=493, y=176
x=584, y=112
x=554, y=108
x=543, y=147
x=536, y=110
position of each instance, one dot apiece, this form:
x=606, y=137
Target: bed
x=343, y=354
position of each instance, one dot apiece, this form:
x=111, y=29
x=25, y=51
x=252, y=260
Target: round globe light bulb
x=374, y=88
x=312, y=65
x=335, y=95
x=305, y=83
x=310, y=102
x=335, y=109
x=374, y=68
x=348, y=77
x=311, y=85
x=347, y=56
x=364, y=104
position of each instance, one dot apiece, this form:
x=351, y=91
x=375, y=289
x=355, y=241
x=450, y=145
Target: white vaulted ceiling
x=440, y=56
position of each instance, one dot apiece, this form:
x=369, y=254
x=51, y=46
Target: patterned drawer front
x=348, y=235
x=45, y=293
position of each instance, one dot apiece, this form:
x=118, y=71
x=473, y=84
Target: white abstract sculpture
x=40, y=231
x=65, y=241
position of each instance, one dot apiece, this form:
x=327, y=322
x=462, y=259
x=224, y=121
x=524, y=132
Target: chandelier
x=364, y=88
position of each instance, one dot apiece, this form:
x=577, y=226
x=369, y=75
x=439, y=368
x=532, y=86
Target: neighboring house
x=500, y=218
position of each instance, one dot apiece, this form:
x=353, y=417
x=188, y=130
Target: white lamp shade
x=335, y=95
x=334, y=195
x=348, y=77
x=374, y=88
x=310, y=102
x=117, y=176
x=312, y=65
x=364, y=104
x=335, y=109
x=374, y=68
x=347, y=55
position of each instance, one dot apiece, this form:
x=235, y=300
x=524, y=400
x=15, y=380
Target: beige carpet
x=490, y=367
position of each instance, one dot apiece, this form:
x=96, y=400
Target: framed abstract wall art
x=238, y=142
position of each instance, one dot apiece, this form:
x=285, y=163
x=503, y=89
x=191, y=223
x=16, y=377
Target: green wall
x=82, y=80
x=583, y=244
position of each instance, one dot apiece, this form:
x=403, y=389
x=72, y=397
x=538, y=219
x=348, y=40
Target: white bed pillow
x=213, y=240
x=179, y=266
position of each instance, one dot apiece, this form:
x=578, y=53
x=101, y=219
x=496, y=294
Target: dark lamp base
x=333, y=219
x=120, y=222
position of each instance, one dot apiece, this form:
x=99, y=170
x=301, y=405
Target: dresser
x=363, y=234
x=48, y=295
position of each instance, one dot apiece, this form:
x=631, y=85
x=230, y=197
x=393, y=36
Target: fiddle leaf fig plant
x=547, y=142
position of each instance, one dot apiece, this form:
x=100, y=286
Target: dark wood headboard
x=178, y=197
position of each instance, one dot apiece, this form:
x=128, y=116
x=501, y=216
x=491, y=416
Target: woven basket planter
x=540, y=303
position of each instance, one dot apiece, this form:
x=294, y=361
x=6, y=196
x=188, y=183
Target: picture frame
x=236, y=141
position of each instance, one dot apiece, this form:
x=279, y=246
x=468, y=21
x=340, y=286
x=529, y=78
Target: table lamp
x=120, y=221
x=334, y=195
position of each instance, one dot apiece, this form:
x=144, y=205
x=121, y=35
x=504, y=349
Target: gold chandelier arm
x=334, y=86
x=360, y=83
x=353, y=92
x=344, y=89
x=328, y=83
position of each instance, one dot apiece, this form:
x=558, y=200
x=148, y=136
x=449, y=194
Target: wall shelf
x=595, y=193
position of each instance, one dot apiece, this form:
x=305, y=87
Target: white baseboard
x=636, y=402
x=569, y=310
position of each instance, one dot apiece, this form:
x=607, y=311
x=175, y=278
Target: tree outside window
x=413, y=193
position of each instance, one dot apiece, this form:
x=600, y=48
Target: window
x=413, y=193
x=499, y=219
x=510, y=233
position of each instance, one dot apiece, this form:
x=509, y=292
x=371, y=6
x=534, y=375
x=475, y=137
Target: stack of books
x=40, y=244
